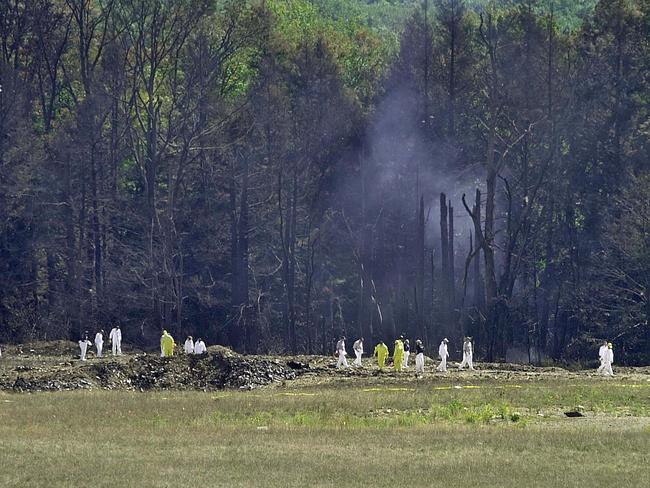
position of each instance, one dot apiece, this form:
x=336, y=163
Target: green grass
x=361, y=432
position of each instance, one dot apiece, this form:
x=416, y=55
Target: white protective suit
x=199, y=347
x=601, y=356
x=83, y=345
x=443, y=353
x=407, y=353
x=358, y=351
x=419, y=358
x=116, y=340
x=340, y=350
x=609, y=360
x=99, y=343
x=467, y=355
x=189, y=346
x=419, y=363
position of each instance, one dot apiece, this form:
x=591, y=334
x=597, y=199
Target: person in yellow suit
x=167, y=344
x=381, y=351
x=398, y=355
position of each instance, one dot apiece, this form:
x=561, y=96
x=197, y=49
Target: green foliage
x=568, y=14
x=361, y=47
x=488, y=412
x=249, y=170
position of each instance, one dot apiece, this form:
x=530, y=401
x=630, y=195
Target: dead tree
x=419, y=285
x=451, y=278
x=478, y=298
x=444, y=273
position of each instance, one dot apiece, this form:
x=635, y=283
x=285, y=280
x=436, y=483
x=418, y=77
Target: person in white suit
x=609, y=360
x=358, y=351
x=83, y=345
x=199, y=346
x=99, y=343
x=602, y=352
x=188, y=347
x=419, y=357
x=340, y=351
x=116, y=340
x=444, y=354
x=407, y=353
x=468, y=352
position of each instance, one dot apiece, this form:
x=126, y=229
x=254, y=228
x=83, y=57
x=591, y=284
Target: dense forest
x=272, y=174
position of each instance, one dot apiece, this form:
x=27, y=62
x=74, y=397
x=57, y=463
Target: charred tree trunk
x=452, y=275
x=291, y=278
x=488, y=247
x=432, y=329
x=71, y=260
x=451, y=88
x=238, y=333
x=242, y=248
x=288, y=219
x=96, y=229
x=444, y=273
x=242, y=290
x=311, y=269
x=150, y=174
x=426, y=71
x=363, y=311
x=479, y=296
x=419, y=285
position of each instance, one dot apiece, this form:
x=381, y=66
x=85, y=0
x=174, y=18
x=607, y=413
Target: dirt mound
x=52, y=366
x=524, y=368
x=632, y=370
x=44, y=348
x=217, y=369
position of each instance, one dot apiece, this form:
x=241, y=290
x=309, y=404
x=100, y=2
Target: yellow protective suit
x=381, y=351
x=398, y=355
x=167, y=344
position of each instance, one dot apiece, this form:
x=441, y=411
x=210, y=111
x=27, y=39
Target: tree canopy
x=271, y=174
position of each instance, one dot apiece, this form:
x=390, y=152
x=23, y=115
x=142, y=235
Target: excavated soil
x=55, y=365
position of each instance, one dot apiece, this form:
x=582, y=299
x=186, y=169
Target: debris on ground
x=573, y=414
x=55, y=365
x=217, y=369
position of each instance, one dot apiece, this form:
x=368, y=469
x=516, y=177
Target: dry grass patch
x=357, y=434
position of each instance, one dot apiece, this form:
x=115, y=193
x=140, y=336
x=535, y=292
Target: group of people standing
x=401, y=351
x=167, y=344
x=115, y=339
x=468, y=355
x=191, y=347
x=401, y=354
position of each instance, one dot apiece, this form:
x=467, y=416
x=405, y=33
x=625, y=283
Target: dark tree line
x=268, y=176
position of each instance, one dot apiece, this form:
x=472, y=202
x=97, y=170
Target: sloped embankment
x=219, y=368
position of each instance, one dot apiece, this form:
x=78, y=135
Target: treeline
x=271, y=174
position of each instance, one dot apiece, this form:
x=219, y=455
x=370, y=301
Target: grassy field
x=345, y=432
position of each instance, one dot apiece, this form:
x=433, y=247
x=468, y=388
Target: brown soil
x=47, y=366
x=55, y=365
